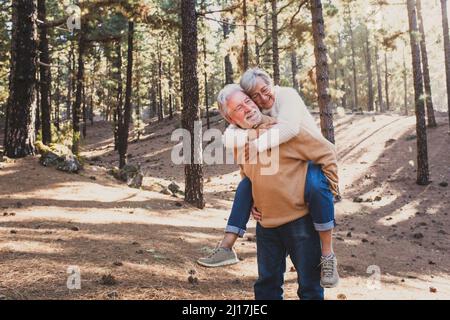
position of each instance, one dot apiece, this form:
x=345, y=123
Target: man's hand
x=256, y=214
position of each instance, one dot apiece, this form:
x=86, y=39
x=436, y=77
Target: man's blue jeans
x=301, y=242
x=317, y=195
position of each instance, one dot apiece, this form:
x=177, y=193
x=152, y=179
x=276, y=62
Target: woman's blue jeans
x=318, y=197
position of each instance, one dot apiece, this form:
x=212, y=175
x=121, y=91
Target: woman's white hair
x=248, y=79
x=224, y=95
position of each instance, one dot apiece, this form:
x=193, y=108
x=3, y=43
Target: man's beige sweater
x=280, y=197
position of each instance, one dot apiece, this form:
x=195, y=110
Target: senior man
x=286, y=227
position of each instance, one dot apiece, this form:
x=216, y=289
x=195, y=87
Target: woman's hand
x=256, y=214
x=264, y=127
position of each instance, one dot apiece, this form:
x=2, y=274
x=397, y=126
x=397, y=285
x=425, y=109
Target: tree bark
x=76, y=110
x=386, y=81
x=379, y=83
x=160, y=97
x=355, y=84
x=244, y=13
x=294, y=69
x=124, y=124
x=257, y=48
x=70, y=81
x=228, y=65
x=275, y=52
x=426, y=71
x=205, y=76
x=368, y=57
x=20, y=135
x=320, y=52
x=405, y=84
x=45, y=76
x=37, y=118
x=422, y=152
x=169, y=73
x=58, y=96
x=117, y=116
x=193, y=171
x=447, y=52
x=84, y=112
x=343, y=77
x=268, y=45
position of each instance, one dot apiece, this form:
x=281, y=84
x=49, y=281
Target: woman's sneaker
x=329, y=277
x=219, y=257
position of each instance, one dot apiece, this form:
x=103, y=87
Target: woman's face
x=263, y=94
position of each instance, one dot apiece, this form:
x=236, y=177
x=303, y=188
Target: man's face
x=263, y=94
x=242, y=111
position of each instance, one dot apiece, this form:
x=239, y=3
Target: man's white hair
x=224, y=95
x=248, y=79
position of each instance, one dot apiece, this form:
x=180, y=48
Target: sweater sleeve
x=234, y=137
x=288, y=120
x=322, y=152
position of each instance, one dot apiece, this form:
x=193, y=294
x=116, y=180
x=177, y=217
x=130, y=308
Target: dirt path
x=149, y=241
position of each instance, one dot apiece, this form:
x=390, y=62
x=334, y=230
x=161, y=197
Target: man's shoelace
x=327, y=266
x=216, y=250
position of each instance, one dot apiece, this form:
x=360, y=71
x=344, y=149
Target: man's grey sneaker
x=219, y=257
x=329, y=277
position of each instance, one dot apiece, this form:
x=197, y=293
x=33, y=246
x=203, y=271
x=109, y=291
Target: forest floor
x=149, y=242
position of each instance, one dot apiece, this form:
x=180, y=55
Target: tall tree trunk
x=169, y=73
x=335, y=69
x=193, y=170
x=257, y=48
x=137, y=109
x=379, y=83
x=119, y=98
x=124, y=125
x=422, y=151
x=205, y=77
x=268, y=65
x=343, y=77
x=426, y=71
x=320, y=52
x=84, y=112
x=352, y=45
x=45, y=75
x=368, y=57
x=37, y=118
x=405, y=84
x=160, y=96
x=20, y=135
x=76, y=110
x=244, y=13
x=294, y=69
x=91, y=104
x=447, y=52
x=180, y=66
x=70, y=80
x=58, y=96
x=386, y=81
x=5, y=130
x=355, y=84
x=275, y=52
x=228, y=65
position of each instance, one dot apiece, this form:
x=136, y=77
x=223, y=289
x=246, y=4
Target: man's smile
x=252, y=116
